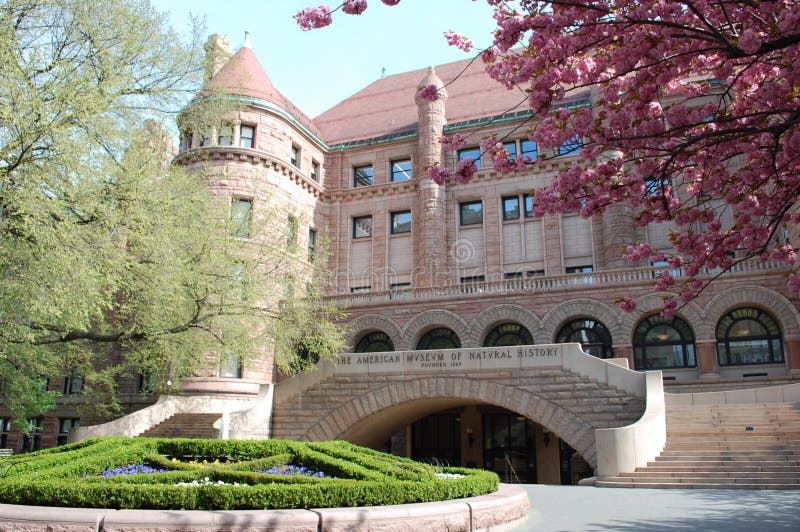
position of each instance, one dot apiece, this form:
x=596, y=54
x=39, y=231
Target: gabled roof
x=243, y=75
x=387, y=105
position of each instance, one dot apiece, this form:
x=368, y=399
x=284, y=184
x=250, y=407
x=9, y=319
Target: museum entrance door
x=509, y=447
x=437, y=439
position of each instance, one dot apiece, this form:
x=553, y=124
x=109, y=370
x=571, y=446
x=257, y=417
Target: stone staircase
x=185, y=426
x=725, y=446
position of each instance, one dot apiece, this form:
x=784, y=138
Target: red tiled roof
x=387, y=105
x=243, y=75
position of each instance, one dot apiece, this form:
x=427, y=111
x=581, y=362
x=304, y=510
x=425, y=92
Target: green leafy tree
x=112, y=260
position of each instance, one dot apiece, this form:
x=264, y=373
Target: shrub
x=71, y=476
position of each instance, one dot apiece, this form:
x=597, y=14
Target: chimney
x=218, y=51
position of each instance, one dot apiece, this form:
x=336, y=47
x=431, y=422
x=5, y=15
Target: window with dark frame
x=511, y=208
x=401, y=222
x=529, y=150
x=528, y=200
x=659, y=343
x=5, y=430
x=291, y=232
x=295, y=160
x=401, y=170
x=73, y=383
x=205, y=139
x=33, y=440
x=247, y=136
x=511, y=148
x=360, y=289
x=473, y=153
x=314, y=170
x=312, y=244
x=241, y=213
x=473, y=279
x=748, y=335
x=571, y=146
x=471, y=212
x=65, y=424
x=587, y=268
x=362, y=227
x=230, y=366
x=225, y=136
x=362, y=176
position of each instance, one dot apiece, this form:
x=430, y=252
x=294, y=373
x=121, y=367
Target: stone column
x=707, y=360
x=430, y=242
x=792, y=346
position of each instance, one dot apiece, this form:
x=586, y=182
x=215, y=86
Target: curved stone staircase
x=185, y=426
x=724, y=446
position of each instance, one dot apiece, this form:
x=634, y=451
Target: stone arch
x=691, y=313
x=413, y=330
x=774, y=302
x=371, y=323
x=489, y=318
x=579, y=434
x=585, y=307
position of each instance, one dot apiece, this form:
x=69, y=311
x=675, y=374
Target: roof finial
x=383, y=72
x=246, y=39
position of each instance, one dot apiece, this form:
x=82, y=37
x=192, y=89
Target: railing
x=631, y=276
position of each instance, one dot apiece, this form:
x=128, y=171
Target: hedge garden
x=195, y=474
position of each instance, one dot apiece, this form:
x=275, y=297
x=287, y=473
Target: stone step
x=786, y=476
x=700, y=456
x=733, y=446
x=721, y=467
x=185, y=426
x=622, y=482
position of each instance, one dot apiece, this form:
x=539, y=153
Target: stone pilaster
x=707, y=360
x=430, y=242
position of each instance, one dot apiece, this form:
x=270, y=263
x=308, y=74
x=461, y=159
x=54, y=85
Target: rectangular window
x=225, y=136
x=529, y=150
x=511, y=208
x=528, y=205
x=471, y=212
x=241, y=212
x=295, y=160
x=362, y=227
x=401, y=170
x=571, y=146
x=247, y=136
x=291, y=232
x=312, y=244
x=655, y=187
x=73, y=384
x=315, y=170
x=401, y=222
x=399, y=286
x=473, y=153
x=513, y=275
x=473, y=279
x=205, y=138
x=5, y=429
x=65, y=424
x=580, y=269
x=230, y=366
x=33, y=440
x=511, y=148
x=360, y=289
x=362, y=176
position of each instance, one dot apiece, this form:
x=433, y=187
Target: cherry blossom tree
x=694, y=121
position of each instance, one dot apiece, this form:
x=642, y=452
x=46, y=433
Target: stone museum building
x=458, y=297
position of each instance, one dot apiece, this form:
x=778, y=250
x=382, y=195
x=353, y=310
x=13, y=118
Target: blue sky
x=318, y=69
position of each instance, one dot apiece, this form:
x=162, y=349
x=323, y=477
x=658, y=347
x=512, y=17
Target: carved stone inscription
x=443, y=360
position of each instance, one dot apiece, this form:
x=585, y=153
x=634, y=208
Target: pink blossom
x=749, y=41
x=454, y=143
x=459, y=41
x=354, y=7
x=465, y=170
x=429, y=93
x=391, y=2
x=669, y=308
x=313, y=17
x=438, y=174
x=627, y=304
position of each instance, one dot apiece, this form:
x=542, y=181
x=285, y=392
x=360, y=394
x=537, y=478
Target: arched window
x=439, y=338
x=591, y=334
x=748, y=336
x=508, y=334
x=375, y=342
x=662, y=344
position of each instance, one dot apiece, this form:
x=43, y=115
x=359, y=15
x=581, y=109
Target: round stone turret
x=431, y=244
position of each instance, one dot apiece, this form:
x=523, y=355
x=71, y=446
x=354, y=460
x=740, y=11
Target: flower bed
x=228, y=474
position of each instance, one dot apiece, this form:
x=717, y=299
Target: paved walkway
x=580, y=508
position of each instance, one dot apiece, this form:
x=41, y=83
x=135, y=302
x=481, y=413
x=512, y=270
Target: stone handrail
x=787, y=393
x=167, y=406
x=548, y=283
x=623, y=449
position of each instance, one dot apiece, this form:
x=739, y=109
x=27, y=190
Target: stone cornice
x=253, y=157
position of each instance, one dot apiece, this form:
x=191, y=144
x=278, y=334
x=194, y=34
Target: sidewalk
x=583, y=508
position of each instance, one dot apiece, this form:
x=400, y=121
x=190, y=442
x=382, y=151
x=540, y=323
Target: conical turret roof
x=243, y=75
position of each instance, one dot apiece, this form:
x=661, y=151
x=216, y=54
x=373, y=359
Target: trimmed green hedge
x=355, y=476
